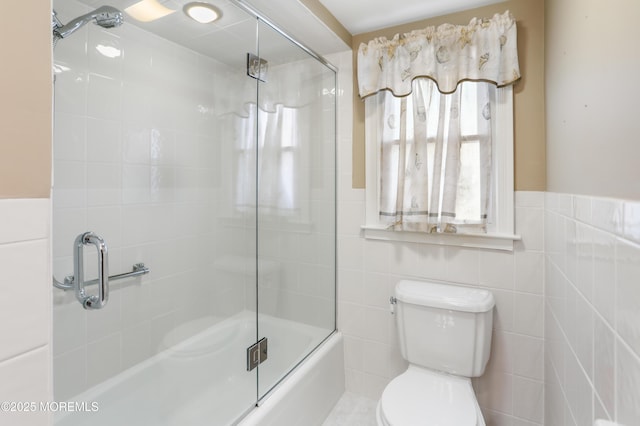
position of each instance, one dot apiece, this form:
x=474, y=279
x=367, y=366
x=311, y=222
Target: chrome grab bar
x=77, y=282
x=136, y=270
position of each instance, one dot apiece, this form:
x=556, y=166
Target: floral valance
x=484, y=50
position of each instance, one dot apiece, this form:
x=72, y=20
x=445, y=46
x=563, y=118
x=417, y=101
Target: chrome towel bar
x=136, y=270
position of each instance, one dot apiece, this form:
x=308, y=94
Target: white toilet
x=445, y=333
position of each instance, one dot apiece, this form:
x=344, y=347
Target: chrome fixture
x=105, y=16
x=257, y=353
x=91, y=302
x=257, y=67
x=201, y=12
x=77, y=282
x=136, y=270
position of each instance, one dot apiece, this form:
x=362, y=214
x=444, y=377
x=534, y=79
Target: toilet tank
x=444, y=327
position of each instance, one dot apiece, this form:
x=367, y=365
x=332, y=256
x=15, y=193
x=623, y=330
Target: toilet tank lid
x=444, y=296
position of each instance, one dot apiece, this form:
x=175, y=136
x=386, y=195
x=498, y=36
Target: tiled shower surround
x=146, y=155
x=135, y=162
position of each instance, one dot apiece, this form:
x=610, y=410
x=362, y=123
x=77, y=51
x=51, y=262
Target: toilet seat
x=421, y=397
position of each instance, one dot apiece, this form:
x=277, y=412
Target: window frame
x=500, y=234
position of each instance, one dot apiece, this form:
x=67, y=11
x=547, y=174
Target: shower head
x=108, y=17
x=105, y=16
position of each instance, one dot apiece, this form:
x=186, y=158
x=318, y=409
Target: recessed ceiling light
x=204, y=13
x=148, y=10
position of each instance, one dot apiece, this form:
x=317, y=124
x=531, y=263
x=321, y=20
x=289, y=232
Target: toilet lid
x=423, y=397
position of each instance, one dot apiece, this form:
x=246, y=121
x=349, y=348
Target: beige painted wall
x=530, y=154
x=25, y=106
x=593, y=91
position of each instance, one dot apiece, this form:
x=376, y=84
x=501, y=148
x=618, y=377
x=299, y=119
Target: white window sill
x=489, y=241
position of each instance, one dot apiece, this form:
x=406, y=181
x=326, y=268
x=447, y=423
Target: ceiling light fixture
x=204, y=13
x=148, y=10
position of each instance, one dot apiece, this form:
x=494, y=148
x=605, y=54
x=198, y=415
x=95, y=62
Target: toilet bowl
x=420, y=397
x=445, y=333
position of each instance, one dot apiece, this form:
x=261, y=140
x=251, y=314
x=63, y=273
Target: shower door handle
x=91, y=301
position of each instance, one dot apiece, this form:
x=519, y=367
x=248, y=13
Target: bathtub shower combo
x=194, y=199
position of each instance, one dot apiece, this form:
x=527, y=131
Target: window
x=438, y=169
x=283, y=192
x=454, y=183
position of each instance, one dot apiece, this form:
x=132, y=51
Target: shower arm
x=104, y=16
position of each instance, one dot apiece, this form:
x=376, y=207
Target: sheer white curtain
x=271, y=143
x=276, y=162
x=428, y=101
x=435, y=156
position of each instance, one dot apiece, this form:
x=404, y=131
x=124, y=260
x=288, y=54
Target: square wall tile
x=628, y=293
x=579, y=392
x=627, y=384
x=528, y=401
x=502, y=352
x=350, y=285
x=585, y=272
x=604, y=270
x=104, y=141
x=70, y=136
x=70, y=374
x=529, y=199
x=528, y=314
x=529, y=272
x=29, y=219
x=463, y=265
x=495, y=391
x=503, y=312
x=432, y=262
x=497, y=269
x=104, y=97
x=529, y=224
x=26, y=378
x=632, y=221
x=604, y=364
x=528, y=357
x=582, y=209
x=25, y=289
x=607, y=214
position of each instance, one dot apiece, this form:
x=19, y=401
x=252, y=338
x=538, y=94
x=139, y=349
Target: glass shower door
x=152, y=130
x=296, y=261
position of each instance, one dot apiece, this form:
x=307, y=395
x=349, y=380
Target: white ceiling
x=361, y=16
x=234, y=32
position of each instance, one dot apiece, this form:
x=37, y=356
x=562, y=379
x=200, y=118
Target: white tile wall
x=511, y=391
x=591, y=310
x=25, y=308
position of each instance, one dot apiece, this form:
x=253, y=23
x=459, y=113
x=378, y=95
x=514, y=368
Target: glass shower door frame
x=267, y=380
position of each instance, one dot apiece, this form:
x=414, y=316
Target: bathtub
x=203, y=380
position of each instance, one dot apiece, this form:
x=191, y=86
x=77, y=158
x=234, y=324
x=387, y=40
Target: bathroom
x=565, y=347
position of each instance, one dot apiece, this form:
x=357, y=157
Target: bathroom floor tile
x=352, y=410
